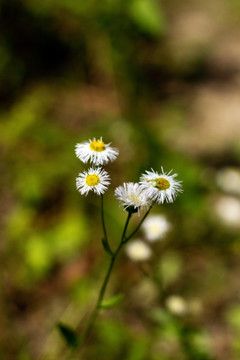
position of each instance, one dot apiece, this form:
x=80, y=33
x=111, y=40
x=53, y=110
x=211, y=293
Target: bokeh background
x=161, y=81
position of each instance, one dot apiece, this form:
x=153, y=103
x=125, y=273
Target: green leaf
x=106, y=304
x=148, y=15
x=106, y=247
x=69, y=335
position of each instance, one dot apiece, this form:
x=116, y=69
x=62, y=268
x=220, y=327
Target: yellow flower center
x=134, y=199
x=162, y=184
x=92, y=180
x=97, y=145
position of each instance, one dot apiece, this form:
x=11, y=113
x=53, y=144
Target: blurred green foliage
x=144, y=75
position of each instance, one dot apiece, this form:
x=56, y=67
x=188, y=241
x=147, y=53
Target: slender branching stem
x=139, y=225
x=105, y=282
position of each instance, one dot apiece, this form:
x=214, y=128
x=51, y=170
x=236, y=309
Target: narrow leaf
x=106, y=247
x=69, y=335
x=106, y=304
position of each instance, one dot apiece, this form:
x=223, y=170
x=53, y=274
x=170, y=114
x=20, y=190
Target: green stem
x=103, y=223
x=139, y=225
x=104, y=284
x=125, y=228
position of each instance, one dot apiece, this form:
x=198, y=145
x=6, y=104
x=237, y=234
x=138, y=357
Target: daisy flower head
x=137, y=250
x=155, y=227
x=132, y=197
x=96, y=151
x=96, y=180
x=160, y=187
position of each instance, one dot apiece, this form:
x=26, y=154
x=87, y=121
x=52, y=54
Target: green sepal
x=106, y=304
x=106, y=247
x=69, y=335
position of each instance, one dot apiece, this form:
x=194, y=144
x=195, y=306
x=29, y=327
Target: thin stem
x=103, y=223
x=125, y=227
x=137, y=228
x=99, y=300
x=104, y=284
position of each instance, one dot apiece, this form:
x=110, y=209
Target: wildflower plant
x=153, y=188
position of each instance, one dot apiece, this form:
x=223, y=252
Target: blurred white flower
x=160, y=187
x=228, y=180
x=155, y=227
x=176, y=305
x=132, y=197
x=96, y=151
x=96, y=180
x=137, y=250
x=228, y=210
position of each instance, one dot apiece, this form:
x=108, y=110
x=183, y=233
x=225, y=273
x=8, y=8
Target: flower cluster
x=98, y=153
x=153, y=186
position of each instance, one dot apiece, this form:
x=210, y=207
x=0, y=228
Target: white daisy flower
x=155, y=227
x=96, y=180
x=137, y=250
x=132, y=197
x=96, y=151
x=160, y=187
